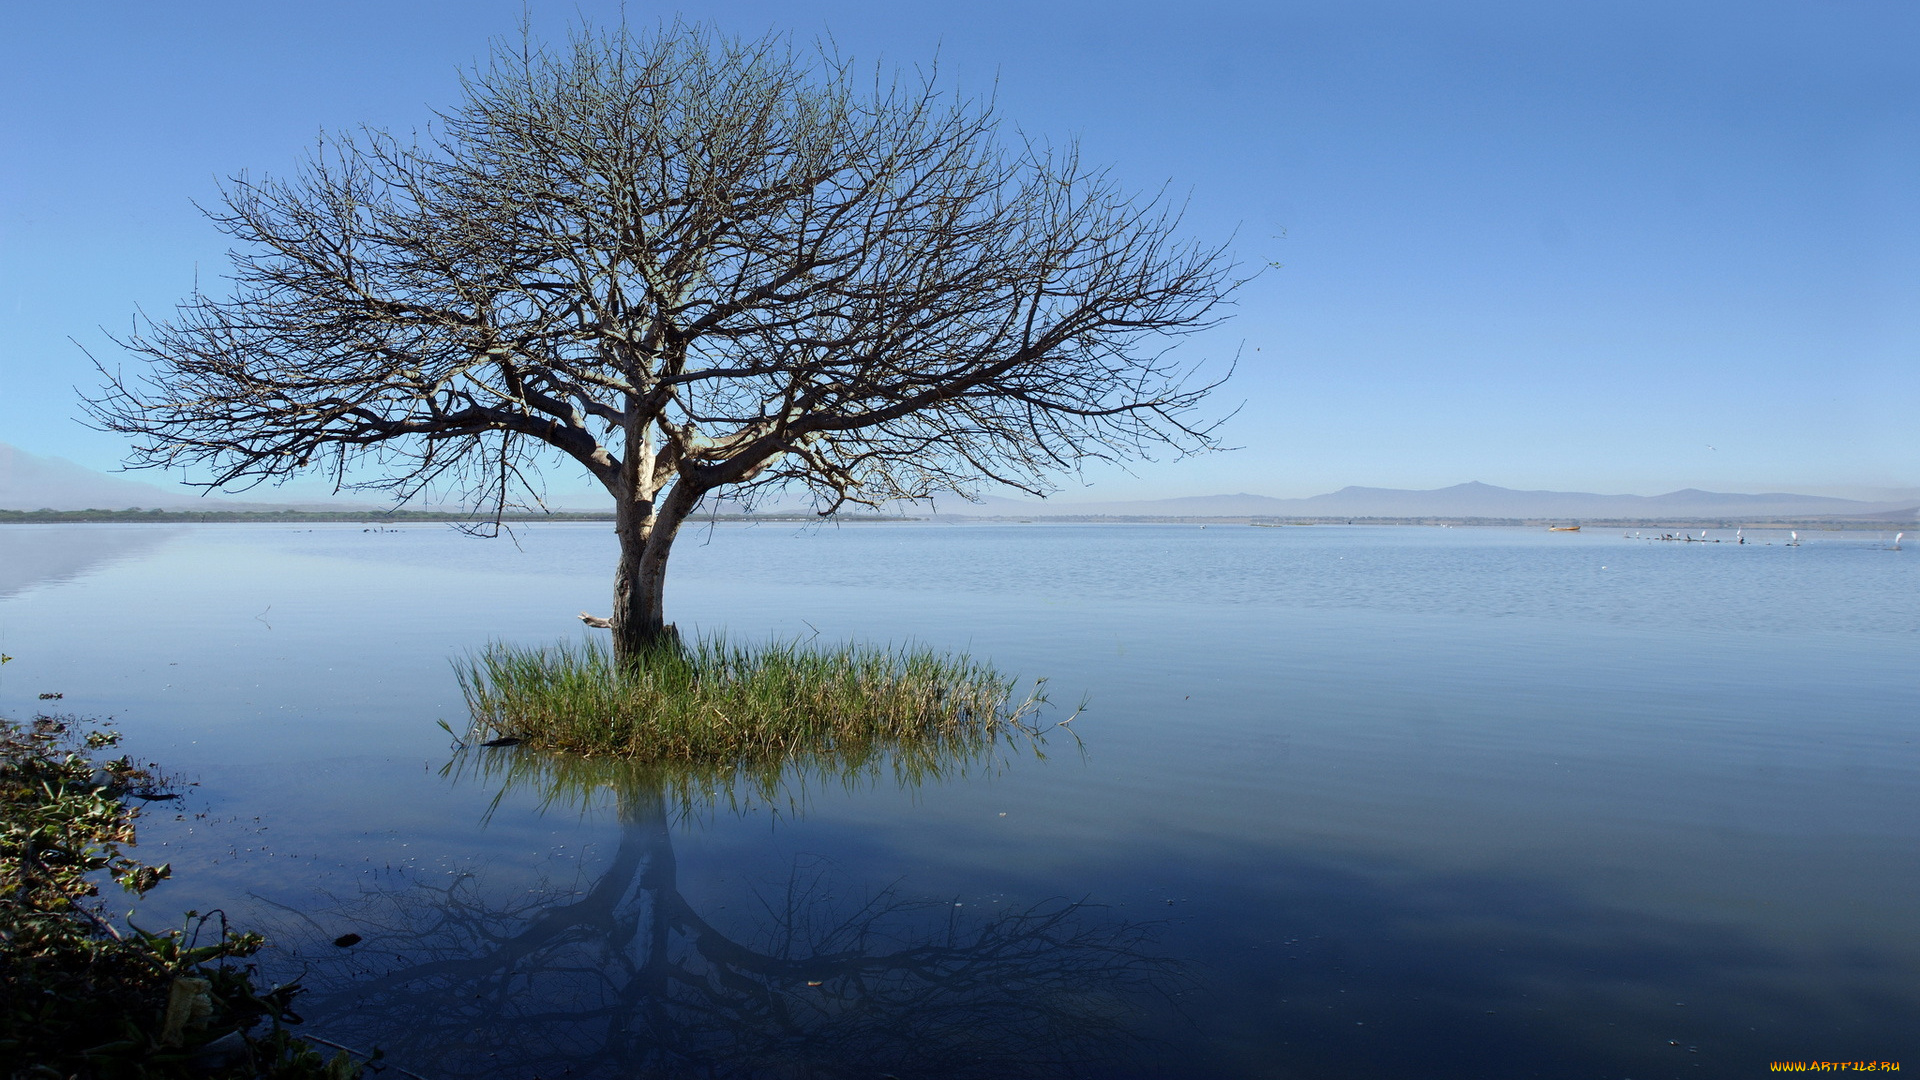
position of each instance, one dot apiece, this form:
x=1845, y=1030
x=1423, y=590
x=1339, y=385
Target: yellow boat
x=1563, y=528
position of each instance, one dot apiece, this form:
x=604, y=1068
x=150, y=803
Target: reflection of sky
x=34, y=555
x=1448, y=802
x=612, y=971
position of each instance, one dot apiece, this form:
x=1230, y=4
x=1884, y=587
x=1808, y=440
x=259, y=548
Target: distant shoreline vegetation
x=137, y=515
x=374, y=517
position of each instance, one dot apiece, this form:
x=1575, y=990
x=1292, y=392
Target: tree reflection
x=617, y=974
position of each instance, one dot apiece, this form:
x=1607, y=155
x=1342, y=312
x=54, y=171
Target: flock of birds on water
x=1739, y=537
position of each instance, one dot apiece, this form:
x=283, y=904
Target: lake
x=1342, y=801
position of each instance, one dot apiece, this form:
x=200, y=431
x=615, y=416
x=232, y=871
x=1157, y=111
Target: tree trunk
x=646, y=530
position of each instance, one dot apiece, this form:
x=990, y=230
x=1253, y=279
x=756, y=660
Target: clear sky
x=1612, y=246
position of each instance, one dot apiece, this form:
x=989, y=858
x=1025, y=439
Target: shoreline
x=395, y=517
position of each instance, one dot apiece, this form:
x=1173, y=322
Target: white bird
x=596, y=621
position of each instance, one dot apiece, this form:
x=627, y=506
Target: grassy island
x=713, y=702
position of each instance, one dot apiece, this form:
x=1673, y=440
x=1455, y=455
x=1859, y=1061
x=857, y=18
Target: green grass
x=714, y=703
x=785, y=786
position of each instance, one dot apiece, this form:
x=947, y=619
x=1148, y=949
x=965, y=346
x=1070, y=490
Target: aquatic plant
x=84, y=996
x=723, y=704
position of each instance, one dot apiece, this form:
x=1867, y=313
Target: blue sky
x=1620, y=247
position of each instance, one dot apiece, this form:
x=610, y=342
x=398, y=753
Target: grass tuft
x=716, y=703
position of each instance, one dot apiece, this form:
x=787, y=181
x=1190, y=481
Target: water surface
x=1345, y=801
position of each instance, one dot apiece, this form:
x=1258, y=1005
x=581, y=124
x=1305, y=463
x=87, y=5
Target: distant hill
x=1471, y=500
x=31, y=482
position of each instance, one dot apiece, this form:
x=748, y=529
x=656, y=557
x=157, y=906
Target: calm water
x=1356, y=802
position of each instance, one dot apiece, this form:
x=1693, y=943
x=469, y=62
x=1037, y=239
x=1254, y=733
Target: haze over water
x=1347, y=801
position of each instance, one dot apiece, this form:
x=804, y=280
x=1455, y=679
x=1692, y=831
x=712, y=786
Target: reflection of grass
x=718, y=704
x=694, y=790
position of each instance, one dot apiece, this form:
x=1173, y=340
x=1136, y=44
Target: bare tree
x=690, y=264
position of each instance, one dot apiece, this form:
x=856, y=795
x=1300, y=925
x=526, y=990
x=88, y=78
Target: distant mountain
x=1908, y=515
x=31, y=482
x=1472, y=500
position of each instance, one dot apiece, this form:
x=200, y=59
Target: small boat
x=1563, y=528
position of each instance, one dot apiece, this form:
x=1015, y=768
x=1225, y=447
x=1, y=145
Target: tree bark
x=646, y=529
